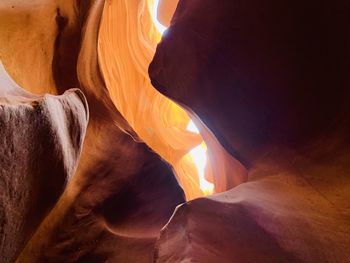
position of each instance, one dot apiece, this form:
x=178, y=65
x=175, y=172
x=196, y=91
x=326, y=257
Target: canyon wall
x=270, y=80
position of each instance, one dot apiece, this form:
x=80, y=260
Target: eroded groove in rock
x=68, y=42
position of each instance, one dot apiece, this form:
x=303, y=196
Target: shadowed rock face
x=256, y=77
x=40, y=146
x=257, y=73
x=270, y=79
x=290, y=212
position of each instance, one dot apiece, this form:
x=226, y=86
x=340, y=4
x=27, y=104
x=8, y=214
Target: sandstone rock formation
x=257, y=73
x=158, y=121
x=265, y=83
x=270, y=81
x=122, y=193
x=42, y=138
x=278, y=216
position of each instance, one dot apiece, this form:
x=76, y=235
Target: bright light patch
x=199, y=156
x=158, y=25
x=192, y=127
x=199, y=153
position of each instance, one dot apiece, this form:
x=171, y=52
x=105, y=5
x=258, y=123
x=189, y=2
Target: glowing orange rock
x=127, y=40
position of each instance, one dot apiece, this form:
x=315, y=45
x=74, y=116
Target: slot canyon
x=174, y=131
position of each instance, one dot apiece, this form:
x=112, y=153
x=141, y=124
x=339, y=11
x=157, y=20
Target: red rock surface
x=257, y=73
x=41, y=142
x=270, y=79
x=278, y=216
x=122, y=193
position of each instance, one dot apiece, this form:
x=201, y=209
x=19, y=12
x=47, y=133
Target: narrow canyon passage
x=171, y=131
x=164, y=125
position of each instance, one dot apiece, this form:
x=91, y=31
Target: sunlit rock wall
x=255, y=81
x=127, y=40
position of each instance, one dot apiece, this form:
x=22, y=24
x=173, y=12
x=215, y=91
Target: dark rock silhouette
x=270, y=80
x=257, y=73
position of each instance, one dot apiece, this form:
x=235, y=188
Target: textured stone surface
x=276, y=217
x=40, y=147
x=264, y=77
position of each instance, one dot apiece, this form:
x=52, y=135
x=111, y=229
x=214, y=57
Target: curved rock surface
x=122, y=193
x=259, y=78
x=257, y=73
x=41, y=142
x=278, y=216
x=270, y=80
x=47, y=32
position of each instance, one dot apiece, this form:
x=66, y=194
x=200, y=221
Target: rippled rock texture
x=269, y=80
x=122, y=193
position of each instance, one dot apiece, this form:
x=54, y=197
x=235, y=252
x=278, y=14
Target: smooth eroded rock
x=276, y=218
x=122, y=194
x=41, y=143
x=257, y=73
